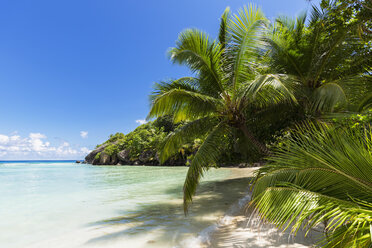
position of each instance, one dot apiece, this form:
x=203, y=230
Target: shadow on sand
x=168, y=220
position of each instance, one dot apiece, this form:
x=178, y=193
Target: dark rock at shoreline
x=123, y=156
x=91, y=156
x=147, y=157
x=103, y=159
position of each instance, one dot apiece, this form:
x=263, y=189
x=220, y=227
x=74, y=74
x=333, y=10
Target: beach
x=68, y=205
x=240, y=228
x=59, y=204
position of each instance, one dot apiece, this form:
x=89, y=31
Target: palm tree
x=215, y=102
x=366, y=103
x=324, y=59
x=321, y=175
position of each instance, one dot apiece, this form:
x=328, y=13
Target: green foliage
x=113, y=138
x=111, y=149
x=366, y=103
x=147, y=137
x=165, y=123
x=98, y=155
x=252, y=84
x=143, y=138
x=325, y=58
x=206, y=156
x=320, y=174
x=354, y=121
x=216, y=97
x=259, y=79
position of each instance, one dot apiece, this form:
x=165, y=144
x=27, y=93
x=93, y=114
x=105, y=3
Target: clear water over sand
x=71, y=205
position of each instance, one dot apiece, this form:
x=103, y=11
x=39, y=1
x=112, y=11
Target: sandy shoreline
x=236, y=229
x=216, y=217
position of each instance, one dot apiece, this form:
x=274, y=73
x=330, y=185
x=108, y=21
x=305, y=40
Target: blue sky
x=73, y=72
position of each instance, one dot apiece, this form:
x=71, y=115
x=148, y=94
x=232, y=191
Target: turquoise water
x=59, y=204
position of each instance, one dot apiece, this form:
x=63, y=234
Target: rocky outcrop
x=99, y=157
x=92, y=155
x=123, y=156
x=147, y=157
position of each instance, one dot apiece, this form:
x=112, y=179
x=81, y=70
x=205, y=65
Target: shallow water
x=70, y=205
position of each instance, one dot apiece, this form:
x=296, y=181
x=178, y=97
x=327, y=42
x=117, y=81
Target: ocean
x=64, y=204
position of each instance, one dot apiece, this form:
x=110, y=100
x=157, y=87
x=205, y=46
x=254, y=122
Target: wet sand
x=239, y=229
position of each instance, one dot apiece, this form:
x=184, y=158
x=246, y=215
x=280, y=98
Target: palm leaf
x=295, y=208
x=183, y=105
x=246, y=29
x=222, y=34
x=270, y=89
x=326, y=97
x=207, y=155
x=321, y=174
x=282, y=60
x=320, y=180
x=185, y=83
x=195, y=50
x=187, y=133
x=366, y=103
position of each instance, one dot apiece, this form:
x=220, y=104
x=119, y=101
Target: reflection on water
x=68, y=205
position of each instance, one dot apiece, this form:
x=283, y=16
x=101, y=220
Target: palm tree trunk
x=261, y=147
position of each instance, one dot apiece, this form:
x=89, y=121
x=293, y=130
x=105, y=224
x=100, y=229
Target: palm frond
x=282, y=58
x=185, y=83
x=270, y=89
x=325, y=55
x=183, y=105
x=357, y=88
x=316, y=14
x=320, y=180
x=207, y=155
x=294, y=208
x=321, y=173
x=366, y=103
x=187, y=133
x=222, y=34
x=246, y=29
x=346, y=151
x=326, y=97
x=202, y=55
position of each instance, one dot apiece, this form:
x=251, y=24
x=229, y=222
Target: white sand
x=237, y=230
x=231, y=230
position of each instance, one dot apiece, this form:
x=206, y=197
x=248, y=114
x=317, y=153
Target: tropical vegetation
x=252, y=72
x=140, y=146
x=293, y=92
x=297, y=91
x=322, y=175
x=217, y=101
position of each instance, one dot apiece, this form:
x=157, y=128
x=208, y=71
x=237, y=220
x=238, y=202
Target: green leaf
x=207, y=155
x=187, y=133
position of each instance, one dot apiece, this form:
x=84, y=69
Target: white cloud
x=37, y=136
x=15, y=137
x=36, y=146
x=65, y=144
x=85, y=150
x=4, y=139
x=141, y=121
x=84, y=134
